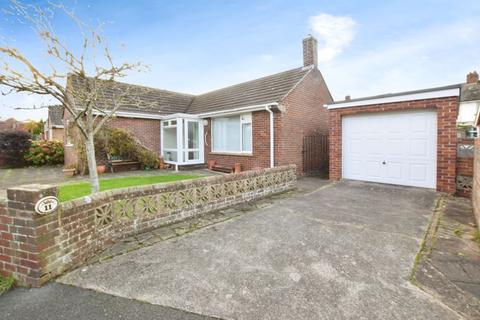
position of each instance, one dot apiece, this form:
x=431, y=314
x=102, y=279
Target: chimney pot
x=310, y=51
x=472, y=77
x=348, y=97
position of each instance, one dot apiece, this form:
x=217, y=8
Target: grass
x=5, y=284
x=77, y=190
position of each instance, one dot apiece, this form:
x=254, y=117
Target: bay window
x=232, y=134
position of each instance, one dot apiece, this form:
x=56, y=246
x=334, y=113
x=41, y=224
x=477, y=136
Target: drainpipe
x=272, y=140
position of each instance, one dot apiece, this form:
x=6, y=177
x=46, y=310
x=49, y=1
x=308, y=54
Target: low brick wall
x=36, y=248
x=476, y=183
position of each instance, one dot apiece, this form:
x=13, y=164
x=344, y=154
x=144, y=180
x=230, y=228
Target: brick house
x=53, y=129
x=407, y=138
x=257, y=124
x=11, y=124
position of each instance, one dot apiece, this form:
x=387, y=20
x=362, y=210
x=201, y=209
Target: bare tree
x=89, y=105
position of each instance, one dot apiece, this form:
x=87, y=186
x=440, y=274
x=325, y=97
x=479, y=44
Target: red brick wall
x=446, y=139
x=476, y=183
x=57, y=134
x=260, y=157
x=304, y=115
x=147, y=131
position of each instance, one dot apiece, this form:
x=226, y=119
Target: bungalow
x=257, y=124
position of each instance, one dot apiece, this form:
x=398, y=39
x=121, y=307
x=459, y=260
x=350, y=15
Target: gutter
x=237, y=110
x=126, y=114
x=272, y=138
x=450, y=91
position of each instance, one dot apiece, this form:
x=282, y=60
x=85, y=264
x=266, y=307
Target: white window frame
x=181, y=144
x=245, y=118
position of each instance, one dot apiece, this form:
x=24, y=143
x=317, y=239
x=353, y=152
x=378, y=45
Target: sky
x=365, y=47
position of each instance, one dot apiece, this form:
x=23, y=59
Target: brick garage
x=444, y=101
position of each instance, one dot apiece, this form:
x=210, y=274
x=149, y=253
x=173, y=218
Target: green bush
x=121, y=143
x=6, y=284
x=114, y=143
x=13, y=145
x=44, y=153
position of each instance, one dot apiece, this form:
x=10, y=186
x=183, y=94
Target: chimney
x=348, y=98
x=472, y=77
x=309, y=51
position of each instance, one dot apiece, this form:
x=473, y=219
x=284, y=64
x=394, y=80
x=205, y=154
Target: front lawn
x=77, y=190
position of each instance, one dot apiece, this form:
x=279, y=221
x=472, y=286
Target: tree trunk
x=92, y=163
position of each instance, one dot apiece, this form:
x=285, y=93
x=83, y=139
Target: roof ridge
x=196, y=97
x=142, y=86
x=245, y=82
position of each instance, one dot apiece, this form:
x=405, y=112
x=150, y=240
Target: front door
x=193, y=147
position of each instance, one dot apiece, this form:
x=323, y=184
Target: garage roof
x=437, y=92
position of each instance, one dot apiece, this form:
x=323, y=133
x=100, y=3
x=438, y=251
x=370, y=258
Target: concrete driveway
x=339, y=251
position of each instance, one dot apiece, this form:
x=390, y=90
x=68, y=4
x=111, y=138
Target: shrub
x=13, y=145
x=45, y=153
x=6, y=283
x=116, y=143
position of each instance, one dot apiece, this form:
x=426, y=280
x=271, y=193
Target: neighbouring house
x=256, y=124
x=11, y=124
x=54, y=129
x=407, y=138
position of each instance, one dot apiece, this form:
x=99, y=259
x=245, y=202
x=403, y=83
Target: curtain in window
x=247, y=137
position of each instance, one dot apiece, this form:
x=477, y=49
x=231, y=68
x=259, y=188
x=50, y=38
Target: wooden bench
x=223, y=169
x=226, y=169
x=123, y=165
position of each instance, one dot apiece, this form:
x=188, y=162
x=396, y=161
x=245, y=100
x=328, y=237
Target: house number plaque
x=46, y=205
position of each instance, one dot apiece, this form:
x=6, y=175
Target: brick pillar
x=22, y=234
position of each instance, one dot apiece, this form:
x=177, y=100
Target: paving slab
x=449, y=267
x=332, y=251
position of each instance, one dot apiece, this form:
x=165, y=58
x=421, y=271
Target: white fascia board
x=455, y=92
x=124, y=114
x=180, y=115
x=234, y=111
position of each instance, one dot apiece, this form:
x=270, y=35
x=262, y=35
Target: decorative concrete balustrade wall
x=36, y=248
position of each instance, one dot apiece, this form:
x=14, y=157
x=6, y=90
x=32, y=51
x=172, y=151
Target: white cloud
x=334, y=34
x=432, y=56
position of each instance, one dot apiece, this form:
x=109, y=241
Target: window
x=232, y=134
x=169, y=141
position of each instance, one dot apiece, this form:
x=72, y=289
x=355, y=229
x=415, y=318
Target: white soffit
x=455, y=92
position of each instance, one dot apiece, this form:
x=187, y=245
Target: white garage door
x=396, y=148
